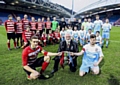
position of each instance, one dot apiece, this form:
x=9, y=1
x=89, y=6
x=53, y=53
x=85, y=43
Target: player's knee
x=81, y=74
x=47, y=58
x=96, y=72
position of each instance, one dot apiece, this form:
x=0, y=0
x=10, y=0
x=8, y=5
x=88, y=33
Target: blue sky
x=78, y=4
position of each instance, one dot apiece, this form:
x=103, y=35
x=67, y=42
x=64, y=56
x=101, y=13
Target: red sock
x=44, y=66
x=14, y=44
x=8, y=45
x=44, y=43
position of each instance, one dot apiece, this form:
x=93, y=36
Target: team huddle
x=33, y=35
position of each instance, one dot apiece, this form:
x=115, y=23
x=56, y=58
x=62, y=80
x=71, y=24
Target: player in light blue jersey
x=88, y=35
x=98, y=39
x=82, y=35
x=89, y=25
x=106, y=32
x=62, y=34
x=97, y=24
x=75, y=35
x=92, y=56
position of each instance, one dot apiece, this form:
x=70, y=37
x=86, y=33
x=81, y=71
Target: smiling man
x=30, y=60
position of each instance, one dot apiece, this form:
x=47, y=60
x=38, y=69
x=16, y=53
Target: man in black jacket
x=62, y=23
x=66, y=46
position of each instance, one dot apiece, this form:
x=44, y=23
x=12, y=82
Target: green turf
x=11, y=72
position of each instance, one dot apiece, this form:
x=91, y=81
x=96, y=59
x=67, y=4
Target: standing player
x=40, y=26
x=62, y=23
x=33, y=25
x=25, y=22
x=89, y=25
x=27, y=34
x=98, y=39
x=75, y=35
x=88, y=35
x=92, y=57
x=43, y=22
x=54, y=24
x=97, y=24
x=10, y=29
x=84, y=24
x=62, y=34
x=19, y=31
x=30, y=60
x=106, y=32
x=82, y=35
x=48, y=26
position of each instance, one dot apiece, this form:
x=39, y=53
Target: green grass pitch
x=11, y=71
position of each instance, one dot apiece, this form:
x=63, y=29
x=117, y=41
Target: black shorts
x=19, y=35
x=47, y=31
x=37, y=63
x=11, y=36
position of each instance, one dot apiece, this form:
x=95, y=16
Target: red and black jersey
x=25, y=23
x=10, y=26
x=33, y=25
x=43, y=24
x=29, y=56
x=40, y=25
x=27, y=35
x=51, y=35
x=48, y=25
x=19, y=27
x=56, y=35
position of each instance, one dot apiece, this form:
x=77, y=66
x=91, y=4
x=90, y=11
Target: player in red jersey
x=40, y=26
x=10, y=29
x=43, y=22
x=48, y=25
x=27, y=34
x=25, y=21
x=30, y=60
x=33, y=25
x=44, y=38
x=56, y=36
x=50, y=37
x=19, y=31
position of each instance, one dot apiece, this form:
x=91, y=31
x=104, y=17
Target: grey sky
x=78, y=4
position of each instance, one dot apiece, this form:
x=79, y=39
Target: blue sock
x=102, y=42
x=107, y=43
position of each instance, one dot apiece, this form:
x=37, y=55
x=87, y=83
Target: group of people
x=67, y=35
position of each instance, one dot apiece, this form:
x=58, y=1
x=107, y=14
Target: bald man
x=66, y=46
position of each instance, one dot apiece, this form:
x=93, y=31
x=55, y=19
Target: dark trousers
x=72, y=68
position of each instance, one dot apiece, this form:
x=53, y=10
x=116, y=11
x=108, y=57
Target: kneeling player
x=92, y=57
x=30, y=60
x=44, y=38
x=56, y=36
x=27, y=34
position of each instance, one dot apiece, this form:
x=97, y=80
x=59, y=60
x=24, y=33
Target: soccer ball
x=34, y=75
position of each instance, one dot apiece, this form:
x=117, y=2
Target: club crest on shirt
x=96, y=49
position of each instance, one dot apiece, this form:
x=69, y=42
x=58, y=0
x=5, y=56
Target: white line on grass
x=114, y=41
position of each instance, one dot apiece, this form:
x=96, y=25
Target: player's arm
x=6, y=25
x=79, y=53
x=100, y=58
x=50, y=53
